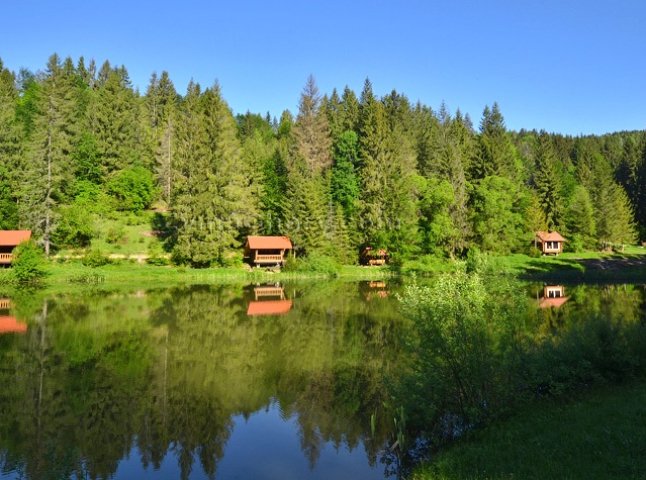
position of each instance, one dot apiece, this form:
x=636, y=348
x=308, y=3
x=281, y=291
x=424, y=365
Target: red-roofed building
x=267, y=250
x=9, y=324
x=10, y=239
x=374, y=256
x=549, y=242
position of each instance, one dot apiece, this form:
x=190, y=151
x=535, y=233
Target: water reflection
x=9, y=323
x=269, y=299
x=187, y=383
x=168, y=381
x=553, y=296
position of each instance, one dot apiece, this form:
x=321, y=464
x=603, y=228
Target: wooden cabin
x=553, y=296
x=374, y=256
x=10, y=239
x=549, y=243
x=267, y=251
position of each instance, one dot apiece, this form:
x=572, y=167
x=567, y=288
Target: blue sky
x=568, y=66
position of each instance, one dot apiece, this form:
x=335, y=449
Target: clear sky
x=569, y=66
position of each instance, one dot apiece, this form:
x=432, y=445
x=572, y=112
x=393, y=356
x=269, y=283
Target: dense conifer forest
x=348, y=170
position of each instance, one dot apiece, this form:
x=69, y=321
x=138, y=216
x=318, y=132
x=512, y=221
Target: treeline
x=348, y=171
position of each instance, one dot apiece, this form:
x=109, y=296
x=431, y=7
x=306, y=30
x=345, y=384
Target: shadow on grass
x=610, y=268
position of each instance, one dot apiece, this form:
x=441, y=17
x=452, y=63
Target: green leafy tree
x=75, y=227
x=28, y=265
x=133, y=188
x=615, y=224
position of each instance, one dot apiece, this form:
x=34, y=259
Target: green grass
x=629, y=266
x=602, y=436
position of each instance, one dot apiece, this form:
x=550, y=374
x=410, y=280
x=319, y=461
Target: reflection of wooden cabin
x=553, y=296
x=376, y=289
x=8, y=323
x=10, y=239
x=269, y=300
x=374, y=256
x=264, y=251
x=549, y=242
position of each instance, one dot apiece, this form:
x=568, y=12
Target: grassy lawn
x=602, y=436
x=628, y=266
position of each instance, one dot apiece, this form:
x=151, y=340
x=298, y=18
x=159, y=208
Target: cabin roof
x=269, y=307
x=11, y=238
x=11, y=325
x=269, y=243
x=550, y=237
x=374, y=251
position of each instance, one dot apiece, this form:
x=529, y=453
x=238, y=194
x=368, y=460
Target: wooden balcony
x=270, y=259
x=5, y=304
x=5, y=258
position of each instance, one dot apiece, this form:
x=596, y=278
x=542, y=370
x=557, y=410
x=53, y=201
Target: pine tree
x=615, y=220
x=161, y=105
x=349, y=110
x=10, y=149
x=311, y=132
x=114, y=116
x=547, y=182
x=496, y=154
x=579, y=218
x=48, y=171
x=344, y=188
x=212, y=200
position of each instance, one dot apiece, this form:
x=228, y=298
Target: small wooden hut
x=374, y=256
x=10, y=239
x=549, y=243
x=266, y=251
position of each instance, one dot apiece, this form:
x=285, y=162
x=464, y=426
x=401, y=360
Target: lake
x=262, y=381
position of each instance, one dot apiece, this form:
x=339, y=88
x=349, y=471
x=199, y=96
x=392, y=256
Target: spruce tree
x=10, y=149
x=547, y=182
x=579, y=218
x=311, y=132
x=496, y=153
x=47, y=173
x=212, y=200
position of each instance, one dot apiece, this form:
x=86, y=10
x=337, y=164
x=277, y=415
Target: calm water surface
x=281, y=381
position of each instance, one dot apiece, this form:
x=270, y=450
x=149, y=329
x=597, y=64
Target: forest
x=78, y=142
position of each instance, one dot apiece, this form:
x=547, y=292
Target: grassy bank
x=125, y=274
x=602, y=436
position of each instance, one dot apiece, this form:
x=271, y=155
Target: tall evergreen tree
x=161, y=105
x=579, y=218
x=10, y=149
x=212, y=203
x=48, y=169
x=311, y=132
x=496, y=154
x=547, y=182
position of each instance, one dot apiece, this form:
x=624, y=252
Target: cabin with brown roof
x=267, y=251
x=549, y=243
x=10, y=239
x=374, y=256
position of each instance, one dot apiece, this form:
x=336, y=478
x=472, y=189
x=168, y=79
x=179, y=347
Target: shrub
x=75, y=227
x=28, y=265
x=95, y=258
x=115, y=234
x=313, y=264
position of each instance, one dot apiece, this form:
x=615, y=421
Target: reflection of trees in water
x=168, y=371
